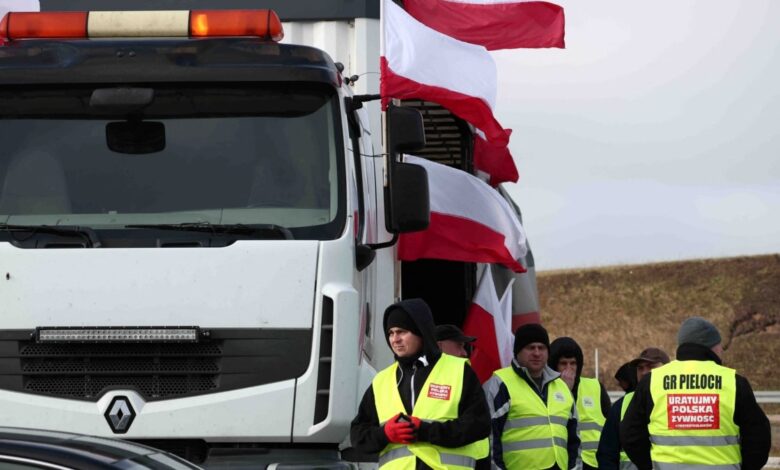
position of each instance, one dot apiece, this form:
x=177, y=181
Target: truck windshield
x=226, y=155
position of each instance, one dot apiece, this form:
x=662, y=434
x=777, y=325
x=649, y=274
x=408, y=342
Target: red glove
x=399, y=432
x=415, y=422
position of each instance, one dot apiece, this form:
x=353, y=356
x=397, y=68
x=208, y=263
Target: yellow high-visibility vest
x=535, y=434
x=692, y=421
x=438, y=401
x=590, y=418
x=625, y=462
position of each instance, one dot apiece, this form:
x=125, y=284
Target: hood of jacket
x=421, y=315
x=565, y=347
x=696, y=352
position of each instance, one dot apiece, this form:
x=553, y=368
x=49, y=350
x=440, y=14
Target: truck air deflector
x=126, y=61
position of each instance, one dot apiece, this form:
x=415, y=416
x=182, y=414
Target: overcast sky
x=655, y=135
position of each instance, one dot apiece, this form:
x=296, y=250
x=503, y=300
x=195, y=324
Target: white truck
x=197, y=225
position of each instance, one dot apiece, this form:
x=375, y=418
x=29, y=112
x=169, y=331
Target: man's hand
x=416, y=422
x=568, y=376
x=399, y=432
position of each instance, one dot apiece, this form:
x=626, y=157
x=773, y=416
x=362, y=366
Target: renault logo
x=120, y=414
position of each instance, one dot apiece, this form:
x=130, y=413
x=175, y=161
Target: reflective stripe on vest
x=692, y=420
x=438, y=401
x=695, y=440
x=685, y=466
x=625, y=462
x=447, y=459
x=535, y=421
x=590, y=418
x=535, y=434
x=627, y=465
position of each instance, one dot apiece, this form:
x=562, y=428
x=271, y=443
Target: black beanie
x=530, y=333
x=399, y=318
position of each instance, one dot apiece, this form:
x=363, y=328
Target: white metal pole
x=596, y=353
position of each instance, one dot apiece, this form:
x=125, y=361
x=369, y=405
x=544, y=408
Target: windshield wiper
x=87, y=233
x=222, y=229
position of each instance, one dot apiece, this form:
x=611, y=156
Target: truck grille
x=231, y=359
x=156, y=371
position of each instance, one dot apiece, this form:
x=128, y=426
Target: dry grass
x=622, y=310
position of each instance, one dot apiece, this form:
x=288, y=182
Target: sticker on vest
x=587, y=402
x=558, y=396
x=693, y=411
x=440, y=392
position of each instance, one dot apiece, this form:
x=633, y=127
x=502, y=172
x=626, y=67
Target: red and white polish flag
x=495, y=161
x=421, y=63
x=489, y=319
x=470, y=221
x=525, y=294
x=495, y=24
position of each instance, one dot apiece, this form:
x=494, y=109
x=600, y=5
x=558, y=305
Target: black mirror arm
x=356, y=102
x=364, y=256
x=388, y=244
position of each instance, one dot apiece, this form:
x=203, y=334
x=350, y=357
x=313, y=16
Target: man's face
x=533, y=357
x=453, y=348
x=404, y=343
x=643, y=368
x=567, y=364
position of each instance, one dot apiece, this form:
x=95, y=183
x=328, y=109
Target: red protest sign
x=440, y=392
x=693, y=411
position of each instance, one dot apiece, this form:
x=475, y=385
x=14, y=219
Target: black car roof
x=84, y=452
x=208, y=60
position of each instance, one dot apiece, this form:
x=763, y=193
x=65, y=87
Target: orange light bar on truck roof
x=60, y=25
x=122, y=24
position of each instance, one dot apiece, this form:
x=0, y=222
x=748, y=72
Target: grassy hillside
x=621, y=310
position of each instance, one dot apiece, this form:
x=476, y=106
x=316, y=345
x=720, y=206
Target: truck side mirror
x=407, y=201
x=405, y=130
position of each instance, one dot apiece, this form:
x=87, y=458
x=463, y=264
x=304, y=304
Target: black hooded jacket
x=754, y=430
x=473, y=422
x=567, y=347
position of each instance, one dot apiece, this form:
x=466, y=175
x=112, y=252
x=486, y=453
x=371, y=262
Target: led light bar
x=116, y=335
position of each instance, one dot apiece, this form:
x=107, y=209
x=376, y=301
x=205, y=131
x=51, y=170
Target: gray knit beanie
x=696, y=330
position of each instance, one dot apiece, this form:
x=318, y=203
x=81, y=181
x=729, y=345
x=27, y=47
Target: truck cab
x=194, y=236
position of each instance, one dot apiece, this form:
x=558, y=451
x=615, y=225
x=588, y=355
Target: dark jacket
x=608, y=453
x=565, y=347
x=473, y=422
x=499, y=402
x=754, y=429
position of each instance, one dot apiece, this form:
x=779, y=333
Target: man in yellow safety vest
x=694, y=413
x=532, y=409
x=590, y=396
x=427, y=410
